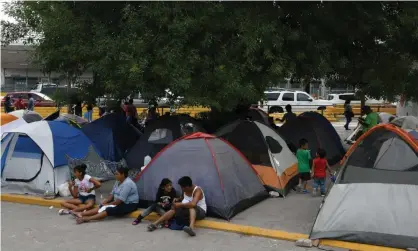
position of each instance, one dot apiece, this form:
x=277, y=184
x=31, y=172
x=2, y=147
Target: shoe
x=137, y=221
x=189, y=231
x=322, y=194
x=304, y=191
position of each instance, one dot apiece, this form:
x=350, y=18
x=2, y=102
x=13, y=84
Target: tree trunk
x=68, y=95
x=362, y=101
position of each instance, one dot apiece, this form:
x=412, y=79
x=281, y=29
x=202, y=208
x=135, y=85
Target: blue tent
x=37, y=152
x=112, y=135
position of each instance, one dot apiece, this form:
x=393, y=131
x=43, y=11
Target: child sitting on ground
x=319, y=167
x=304, y=156
x=166, y=194
x=82, y=190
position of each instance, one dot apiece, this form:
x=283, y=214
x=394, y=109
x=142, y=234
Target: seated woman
x=122, y=200
x=165, y=196
x=192, y=206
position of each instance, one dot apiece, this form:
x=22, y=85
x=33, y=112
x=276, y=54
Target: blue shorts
x=84, y=199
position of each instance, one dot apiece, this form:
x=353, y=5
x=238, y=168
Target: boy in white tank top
x=191, y=208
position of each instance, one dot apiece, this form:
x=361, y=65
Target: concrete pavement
x=39, y=228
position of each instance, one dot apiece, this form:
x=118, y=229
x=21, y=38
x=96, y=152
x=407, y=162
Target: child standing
x=165, y=196
x=82, y=190
x=304, y=156
x=319, y=167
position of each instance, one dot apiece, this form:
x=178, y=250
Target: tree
x=221, y=54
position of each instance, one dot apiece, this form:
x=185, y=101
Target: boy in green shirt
x=372, y=119
x=304, y=156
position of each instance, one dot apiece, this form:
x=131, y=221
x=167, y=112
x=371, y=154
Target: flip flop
x=189, y=231
x=136, y=222
x=63, y=212
x=151, y=227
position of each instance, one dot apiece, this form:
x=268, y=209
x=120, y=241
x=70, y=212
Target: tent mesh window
x=99, y=168
x=382, y=157
x=274, y=146
x=161, y=136
x=250, y=142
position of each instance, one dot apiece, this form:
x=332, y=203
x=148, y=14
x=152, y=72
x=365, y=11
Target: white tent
x=35, y=153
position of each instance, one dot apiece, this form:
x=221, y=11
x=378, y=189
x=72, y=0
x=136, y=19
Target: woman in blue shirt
x=122, y=200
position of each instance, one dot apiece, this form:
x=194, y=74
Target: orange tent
x=7, y=118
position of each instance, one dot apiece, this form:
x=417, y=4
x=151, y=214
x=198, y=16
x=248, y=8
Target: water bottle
x=48, y=191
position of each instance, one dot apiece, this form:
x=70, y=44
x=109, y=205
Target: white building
x=19, y=74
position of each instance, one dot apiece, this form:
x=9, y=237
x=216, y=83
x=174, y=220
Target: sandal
x=189, y=231
x=63, y=212
x=136, y=221
x=151, y=227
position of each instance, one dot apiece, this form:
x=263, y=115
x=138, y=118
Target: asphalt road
x=34, y=228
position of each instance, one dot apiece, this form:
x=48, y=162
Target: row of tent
x=110, y=138
x=236, y=165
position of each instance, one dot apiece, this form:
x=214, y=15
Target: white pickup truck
x=275, y=101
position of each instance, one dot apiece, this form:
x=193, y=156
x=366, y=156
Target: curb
x=210, y=224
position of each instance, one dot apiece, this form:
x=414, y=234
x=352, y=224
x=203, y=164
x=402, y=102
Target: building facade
x=19, y=74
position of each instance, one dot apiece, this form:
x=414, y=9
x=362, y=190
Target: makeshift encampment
x=158, y=134
x=112, y=135
x=374, y=200
x=35, y=153
x=7, y=118
x=228, y=180
x=266, y=150
x=28, y=116
x=319, y=132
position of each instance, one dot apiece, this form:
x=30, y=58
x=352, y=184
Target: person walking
x=348, y=113
x=8, y=106
x=31, y=102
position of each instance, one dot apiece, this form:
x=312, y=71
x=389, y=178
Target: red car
x=41, y=100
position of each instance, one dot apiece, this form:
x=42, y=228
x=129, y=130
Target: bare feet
x=76, y=214
x=80, y=220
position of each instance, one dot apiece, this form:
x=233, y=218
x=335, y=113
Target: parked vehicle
x=340, y=98
x=299, y=100
x=41, y=100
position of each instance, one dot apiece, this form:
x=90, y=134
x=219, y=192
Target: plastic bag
x=63, y=190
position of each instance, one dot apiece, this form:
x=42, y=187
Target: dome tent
x=7, y=118
x=228, y=180
x=37, y=152
x=28, y=116
x=319, y=132
x=267, y=152
x=158, y=134
x=378, y=182
x=112, y=135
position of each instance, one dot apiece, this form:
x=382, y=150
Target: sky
x=3, y=15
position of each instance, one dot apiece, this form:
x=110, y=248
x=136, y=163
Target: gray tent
x=228, y=180
x=374, y=199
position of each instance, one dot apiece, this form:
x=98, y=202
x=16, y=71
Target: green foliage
x=221, y=54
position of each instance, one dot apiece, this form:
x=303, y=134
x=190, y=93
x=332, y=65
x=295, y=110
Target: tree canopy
x=221, y=54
